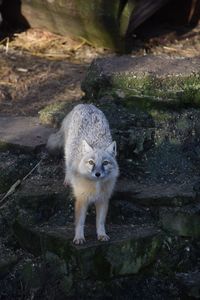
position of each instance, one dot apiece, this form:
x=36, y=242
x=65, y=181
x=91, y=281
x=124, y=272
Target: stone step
x=155, y=194
x=36, y=191
x=147, y=78
x=184, y=221
x=25, y=133
x=129, y=250
x=43, y=201
x=8, y=259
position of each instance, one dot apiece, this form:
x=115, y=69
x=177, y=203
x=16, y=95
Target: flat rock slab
x=129, y=250
x=160, y=66
x=157, y=77
x=23, y=132
x=155, y=194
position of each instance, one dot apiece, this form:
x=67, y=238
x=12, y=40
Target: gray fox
x=90, y=164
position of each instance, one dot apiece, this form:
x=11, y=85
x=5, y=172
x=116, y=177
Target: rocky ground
x=153, y=108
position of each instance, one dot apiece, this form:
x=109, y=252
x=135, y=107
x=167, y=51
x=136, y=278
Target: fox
x=91, y=167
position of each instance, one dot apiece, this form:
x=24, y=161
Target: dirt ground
x=38, y=68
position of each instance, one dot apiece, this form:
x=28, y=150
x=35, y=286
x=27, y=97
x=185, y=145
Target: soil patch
x=38, y=68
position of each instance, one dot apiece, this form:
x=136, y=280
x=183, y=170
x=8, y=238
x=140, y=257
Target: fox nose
x=97, y=174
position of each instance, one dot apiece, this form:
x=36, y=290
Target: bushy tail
x=55, y=143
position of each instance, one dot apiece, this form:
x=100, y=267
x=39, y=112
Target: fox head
x=98, y=164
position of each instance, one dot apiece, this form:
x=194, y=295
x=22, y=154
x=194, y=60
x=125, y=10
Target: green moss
x=131, y=256
x=160, y=115
x=54, y=113
x=148, y=90
x=180, y=88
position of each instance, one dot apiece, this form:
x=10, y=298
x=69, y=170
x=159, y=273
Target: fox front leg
x=80, y=214
x=101, y=213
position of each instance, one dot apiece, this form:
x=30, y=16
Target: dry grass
x=44, y=44
x=186, y=45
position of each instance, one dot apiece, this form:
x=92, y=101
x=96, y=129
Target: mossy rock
x=147, y=81
x=183, y=221
x=46, y=275
x=128, y=252
x=54, y=113
x=100, y=23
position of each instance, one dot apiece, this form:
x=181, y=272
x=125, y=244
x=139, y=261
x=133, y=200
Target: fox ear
x=112, y=148
x=86, y=146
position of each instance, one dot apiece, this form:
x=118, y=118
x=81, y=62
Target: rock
x=129, y=250
x=184, y=221
x=48, y=275
x=22, y=132
x=100, y=23
x=190, y=283
x=156, y=195
x=8, y=260
x=7, y=264
x=146, y=80
x=44, y=200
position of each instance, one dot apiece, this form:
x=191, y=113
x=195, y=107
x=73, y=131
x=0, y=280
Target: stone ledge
x=156, y=194
x=23, y=133
x=147, y=79
x=184, y=221
x=129, y=250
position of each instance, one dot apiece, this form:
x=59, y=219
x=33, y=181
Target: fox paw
x=65, y=183
x=79, y=241
x=103, y=237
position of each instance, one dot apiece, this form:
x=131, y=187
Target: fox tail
x=55, y=142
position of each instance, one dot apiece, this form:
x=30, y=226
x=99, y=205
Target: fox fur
x=91, y=168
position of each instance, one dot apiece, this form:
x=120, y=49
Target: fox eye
x=91, y=162
x=105, y=163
